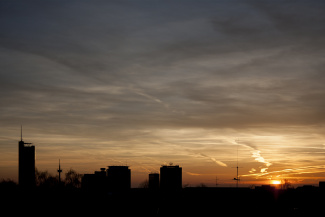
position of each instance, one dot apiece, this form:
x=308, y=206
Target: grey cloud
x=272, y=24
x=295, y=17
x=214, y=65
x=132, y=79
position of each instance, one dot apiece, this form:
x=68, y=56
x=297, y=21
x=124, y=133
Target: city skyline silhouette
x=228, y=182
x=162, y=108
x=163, y=195
x=115, y=177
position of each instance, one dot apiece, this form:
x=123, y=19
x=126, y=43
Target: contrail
x=155, y=99
x=218, y=162
x=193, y=174
x=141, y=93
x=213, y=159
x=256, y=154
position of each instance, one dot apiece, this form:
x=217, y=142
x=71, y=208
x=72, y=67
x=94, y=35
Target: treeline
x=49, y=196
x=45, y=180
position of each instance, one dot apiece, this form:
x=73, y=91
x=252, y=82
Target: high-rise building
x=119, y=178
x=26, y=158
x=170, y=177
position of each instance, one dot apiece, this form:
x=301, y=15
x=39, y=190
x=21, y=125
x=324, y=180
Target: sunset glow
x=276, y=182
x=207, y=85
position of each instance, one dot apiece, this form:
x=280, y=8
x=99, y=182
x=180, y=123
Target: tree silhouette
x=7, y=185
x=44, y=179
x=286, y=184
x=201, y=185
x=144, y=184
x=73, y=179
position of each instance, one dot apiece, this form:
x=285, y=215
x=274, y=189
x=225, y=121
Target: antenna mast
x=216, y=181
x=237, y=177
x=59, y=171
x=21, y=137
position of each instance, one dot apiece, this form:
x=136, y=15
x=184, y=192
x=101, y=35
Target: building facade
x=171, y=177
x=26, y=167
x=119, y=178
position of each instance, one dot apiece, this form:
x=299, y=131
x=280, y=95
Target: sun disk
x=276, y=182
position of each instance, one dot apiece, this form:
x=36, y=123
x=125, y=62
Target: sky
x=207, y=85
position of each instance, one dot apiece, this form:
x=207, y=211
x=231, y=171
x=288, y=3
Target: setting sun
x=276, y=182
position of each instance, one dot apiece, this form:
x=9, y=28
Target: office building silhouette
x=170, y=177
x=26, y=169
x=95, y=182
x=322, y=185
x=119, y=178
x=114, y=179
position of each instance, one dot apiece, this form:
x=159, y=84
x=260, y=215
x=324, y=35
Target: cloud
x=256, y=154
x=213, y=84
x=128, y=72
x=252, y=170
x=289, y=172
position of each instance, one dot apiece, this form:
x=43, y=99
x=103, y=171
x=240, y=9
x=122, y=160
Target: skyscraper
x=26, y=158
x=170, y=177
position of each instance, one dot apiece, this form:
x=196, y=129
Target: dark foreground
x=263, y=201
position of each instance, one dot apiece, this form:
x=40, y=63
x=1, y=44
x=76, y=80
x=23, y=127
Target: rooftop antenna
x=21, y=137
x=21, y=132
